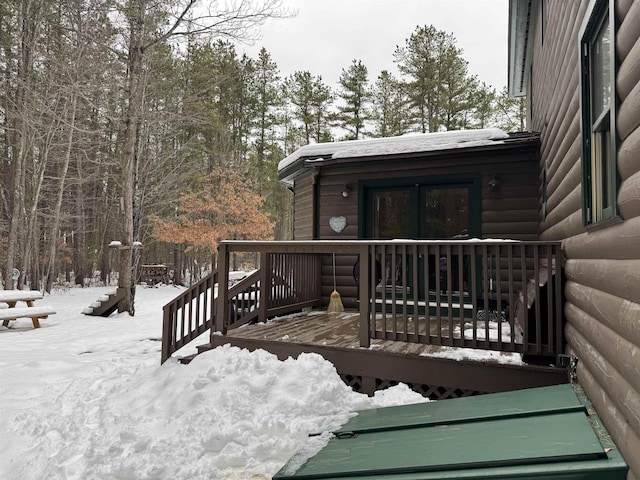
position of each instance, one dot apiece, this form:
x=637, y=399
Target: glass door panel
x=445, y=213
x=391, y=214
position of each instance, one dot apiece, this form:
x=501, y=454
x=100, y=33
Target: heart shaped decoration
x=337, y=224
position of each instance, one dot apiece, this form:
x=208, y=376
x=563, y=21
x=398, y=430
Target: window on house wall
x=599, y=183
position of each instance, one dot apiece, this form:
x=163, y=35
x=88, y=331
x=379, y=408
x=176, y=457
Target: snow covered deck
x=450, y=318
x=436, y=371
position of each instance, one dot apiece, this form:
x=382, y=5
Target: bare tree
x=147, y=28
x=28, y=15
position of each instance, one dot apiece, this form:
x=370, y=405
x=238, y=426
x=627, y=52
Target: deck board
x=313, y=328
x=342, y=330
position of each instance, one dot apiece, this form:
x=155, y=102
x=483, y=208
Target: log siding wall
x=303, y=208
x=603, y=265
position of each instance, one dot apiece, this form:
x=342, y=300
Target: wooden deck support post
x=365, y=303
x=266, y=289
x=558, y=286
x=167, y=333
x=221, y=320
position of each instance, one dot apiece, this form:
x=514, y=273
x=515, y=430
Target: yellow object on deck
x=335, y=302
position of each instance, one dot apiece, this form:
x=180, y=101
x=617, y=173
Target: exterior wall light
x=495, y=182
x=346, y=191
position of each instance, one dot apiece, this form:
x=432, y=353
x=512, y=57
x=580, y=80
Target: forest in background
x=138, y=121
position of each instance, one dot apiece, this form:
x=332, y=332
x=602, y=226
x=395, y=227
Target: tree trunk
x=128, y=159
x=62, y=179
x=79, y=260
x=19, y=124
x=177, y=265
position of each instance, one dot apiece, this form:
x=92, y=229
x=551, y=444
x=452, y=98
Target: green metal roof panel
x=512, y=441
x=559, y=398
x=537, y=433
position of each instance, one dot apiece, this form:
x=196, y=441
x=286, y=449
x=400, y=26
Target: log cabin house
x=512, y=244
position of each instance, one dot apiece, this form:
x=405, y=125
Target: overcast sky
x=327, y=35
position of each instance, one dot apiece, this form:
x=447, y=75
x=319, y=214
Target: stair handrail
x=188, y=315
x=244, y=298
x=182, y=319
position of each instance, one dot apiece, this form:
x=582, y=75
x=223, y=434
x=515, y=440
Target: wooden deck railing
x=495, y=295
x=290, y=275
x=189, y=315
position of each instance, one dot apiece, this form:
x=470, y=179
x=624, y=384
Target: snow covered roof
x=414, y=143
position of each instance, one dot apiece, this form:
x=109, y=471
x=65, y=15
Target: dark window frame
x=599, y=141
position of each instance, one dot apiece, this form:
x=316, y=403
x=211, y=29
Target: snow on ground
x=86, y=398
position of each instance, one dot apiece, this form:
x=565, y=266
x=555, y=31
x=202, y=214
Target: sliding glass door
x=433, y=212
x=424, y=210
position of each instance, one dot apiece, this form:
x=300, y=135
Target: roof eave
x=294, y=170
x=522, y=19
x=527, y=141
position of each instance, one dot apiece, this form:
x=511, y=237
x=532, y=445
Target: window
x=599, y=182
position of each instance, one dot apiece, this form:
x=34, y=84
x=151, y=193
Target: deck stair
x=105, y=305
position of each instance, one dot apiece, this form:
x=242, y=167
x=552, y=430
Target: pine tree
x=299, y=89
x=356, y=97
x=321, y=102
x=482, y=101
x=453, y=88
x=436, y=78
x=390, y=107
x=511, y=112
x=311, y=99
x=264, y=88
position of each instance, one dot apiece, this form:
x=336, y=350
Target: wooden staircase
x=105, y=306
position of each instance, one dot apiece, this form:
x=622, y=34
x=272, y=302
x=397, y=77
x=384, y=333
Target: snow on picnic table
x=85, y=397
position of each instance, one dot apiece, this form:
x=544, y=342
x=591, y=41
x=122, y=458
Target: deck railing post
x=266, y=289
x=167, y=333
x=558, y=268
x=365, y=301
x=221, y=303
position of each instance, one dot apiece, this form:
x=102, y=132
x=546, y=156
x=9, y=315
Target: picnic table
x=9, y=311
